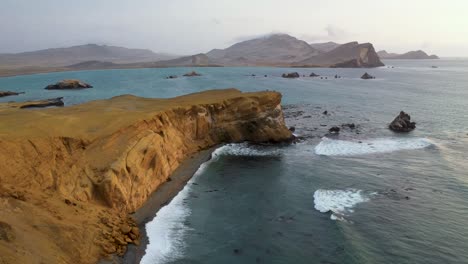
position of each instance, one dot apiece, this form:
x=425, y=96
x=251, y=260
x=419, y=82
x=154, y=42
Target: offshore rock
x=68, y=85
x=402, y=123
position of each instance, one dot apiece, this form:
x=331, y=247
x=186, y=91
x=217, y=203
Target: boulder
x=402, y=123
x=334, y=129
x=291, y=75
x=192, y=74
x=314, y=75
x=68, y=85
x=367, y=76
x=8, y=93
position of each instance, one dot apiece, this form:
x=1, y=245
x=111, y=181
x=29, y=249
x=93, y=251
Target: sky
x=193, y=26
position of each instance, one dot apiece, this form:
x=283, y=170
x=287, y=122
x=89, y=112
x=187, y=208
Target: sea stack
x=192, y=74
x=8, y=93
x=291, y=75
x=68, y=85
x=402, y=123
x=367, y=76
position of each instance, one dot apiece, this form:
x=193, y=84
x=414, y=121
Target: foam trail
x=243, y=149
x=339, y=202
x=330, y=147
x=167, y=229
x=165, y=232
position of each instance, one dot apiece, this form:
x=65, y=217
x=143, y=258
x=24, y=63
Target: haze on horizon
x=189, y=27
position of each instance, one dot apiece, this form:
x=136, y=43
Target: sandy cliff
x=70, y=176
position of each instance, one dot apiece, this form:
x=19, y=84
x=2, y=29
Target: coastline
x=158, y=199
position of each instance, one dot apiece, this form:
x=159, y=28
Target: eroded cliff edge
x=69, y=177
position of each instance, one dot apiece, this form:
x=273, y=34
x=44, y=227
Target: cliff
x=70, y=176
x=349, y=55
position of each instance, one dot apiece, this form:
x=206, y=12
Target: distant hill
x=411, y=55
x=271, y=50
x=349, y=55
x=285, y=50
x=325, y=47
x=58, y=57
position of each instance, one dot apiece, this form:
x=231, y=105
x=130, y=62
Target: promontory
x=72, y=175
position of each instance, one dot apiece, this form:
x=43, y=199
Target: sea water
x=367, y=195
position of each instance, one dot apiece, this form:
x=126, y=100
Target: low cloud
x=330, y=33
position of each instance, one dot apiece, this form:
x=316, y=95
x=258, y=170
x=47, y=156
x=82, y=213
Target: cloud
x=216, y=21
x=255, y=36
x=330, y=33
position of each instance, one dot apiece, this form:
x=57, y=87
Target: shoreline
x=158, y=199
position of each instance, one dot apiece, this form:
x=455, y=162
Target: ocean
x=367, y=195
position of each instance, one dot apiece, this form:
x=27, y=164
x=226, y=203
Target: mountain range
x=279, y=50
x=411, y=55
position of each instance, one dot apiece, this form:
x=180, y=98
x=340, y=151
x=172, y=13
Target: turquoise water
x=365, y=196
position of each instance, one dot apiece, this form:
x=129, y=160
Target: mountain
x=411, y=55
x=349, y=55
x=275, y=49
x=58, y=57
x=325, y=47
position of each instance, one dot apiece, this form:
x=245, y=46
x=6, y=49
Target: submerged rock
x=367, y=76
x=192, y=74
x=172, y=77
x=8, y=93
x=68, y=85
x=291, y=75
x=402, y=123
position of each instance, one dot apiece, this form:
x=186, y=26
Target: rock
x=314, y=75
x=291, y=75
x=292, y=129
x=237, y=251
x=6, y=232
x=135, y=231
x=41, y=103
x=192, y=74
x=125, y=228
x=266, y=75
x=172, y=77
x=402, y=123
x=68, y=85
x=8, y=93
x=325, y=112
x=334, y=130
x=350, y=126
x=367, y=76
x=434, y=67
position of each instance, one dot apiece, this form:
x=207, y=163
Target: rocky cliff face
x=70, y=177
x=349, y=55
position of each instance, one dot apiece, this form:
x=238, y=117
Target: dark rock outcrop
x=291, y=75
x=8, y=93
x=314, y=75
x=192, y=74
x=68, y=85
x=402, y=123
x=367, y=76
x=334, y=130
x=43, y=103
x=172, y=77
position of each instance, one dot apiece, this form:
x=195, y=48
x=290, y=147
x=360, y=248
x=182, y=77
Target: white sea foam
x=165, y=232
x=243, y=149
x=338, y=202
x=331, y=147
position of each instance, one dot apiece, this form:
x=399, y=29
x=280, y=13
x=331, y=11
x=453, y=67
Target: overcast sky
x=193, y=26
